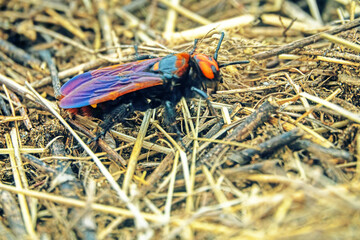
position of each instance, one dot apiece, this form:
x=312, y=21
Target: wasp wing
x=115, y=70
x=108, y=83
x=108, y=88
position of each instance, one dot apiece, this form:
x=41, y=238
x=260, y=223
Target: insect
x=113, y=92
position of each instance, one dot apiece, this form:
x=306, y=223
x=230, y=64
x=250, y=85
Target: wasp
x=113, y=92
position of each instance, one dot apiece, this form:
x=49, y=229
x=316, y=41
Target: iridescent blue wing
x=115, y=70
x=108, y=83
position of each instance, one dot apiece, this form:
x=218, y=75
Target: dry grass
x=279, y=162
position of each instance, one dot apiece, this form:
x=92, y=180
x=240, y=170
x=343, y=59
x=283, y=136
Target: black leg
x=203, y=95
x=170, y=120
x=170, y=117
x=115, y=116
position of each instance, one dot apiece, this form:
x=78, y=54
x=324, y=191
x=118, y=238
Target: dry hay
x=279, y=162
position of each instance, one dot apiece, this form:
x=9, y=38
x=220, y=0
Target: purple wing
x=115, y=70
x=108, y=83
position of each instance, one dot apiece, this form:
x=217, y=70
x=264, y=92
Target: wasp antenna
x=218, y=46
x=194, y=48
x=233, y=63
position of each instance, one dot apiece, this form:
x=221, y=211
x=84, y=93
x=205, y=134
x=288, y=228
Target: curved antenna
x=218, y=46
x=233, y=63
x=194, y=48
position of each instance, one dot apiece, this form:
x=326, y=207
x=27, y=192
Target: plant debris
x=278, y=160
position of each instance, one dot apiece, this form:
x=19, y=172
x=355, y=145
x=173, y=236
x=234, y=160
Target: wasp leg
x=170, y=116
x=203, y=95
x=171, y=120
x=117, y=115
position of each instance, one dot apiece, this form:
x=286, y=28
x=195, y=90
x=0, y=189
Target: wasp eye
x=214, y=69
x=206, y=70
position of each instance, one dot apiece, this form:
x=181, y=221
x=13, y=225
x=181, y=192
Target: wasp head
x=206, y=67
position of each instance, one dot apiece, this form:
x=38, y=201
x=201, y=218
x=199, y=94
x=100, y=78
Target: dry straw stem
x=236, y=144
x=15, y=140
x=295, y=12
x=167, y=210
x=357, y=177
x=297, y=90
x=72, y=71
x=185, y=12
x=340, y=15
x=189, y=180
x=62, y=38
x=201, y=32
x=19, y=54
x=4, y=119
x=157, y=173
x=183, y=156
x=132, y=21
x=225, y=114
x=317, y=58
x=309, y=111
x=344, y=42
x=110, y=227
x=104, y=23
x=244, y=129
x=89, y=65
x=288, y=124
x=187, y=118
x=171, y=18
x=216, y=188
x=218, y=134
x=66, y=24
x=336, y=195
x=348, y=79
x=197, y=225
x=21, y=90
x=46, y=56
x=145, y=144
x=23, y=150
x=22, y=110
x=190, y=198
x=141, y=223
x=251, y=89
x=337, y=126
x=123, y=137
x=315, y=137
x=352, y=10
x=13, y=217
x=102, y=144
x=314, y=9
x=305, y=41
x=136, y=150
x=21, y=197
x=352, y=116
x=279, y=21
